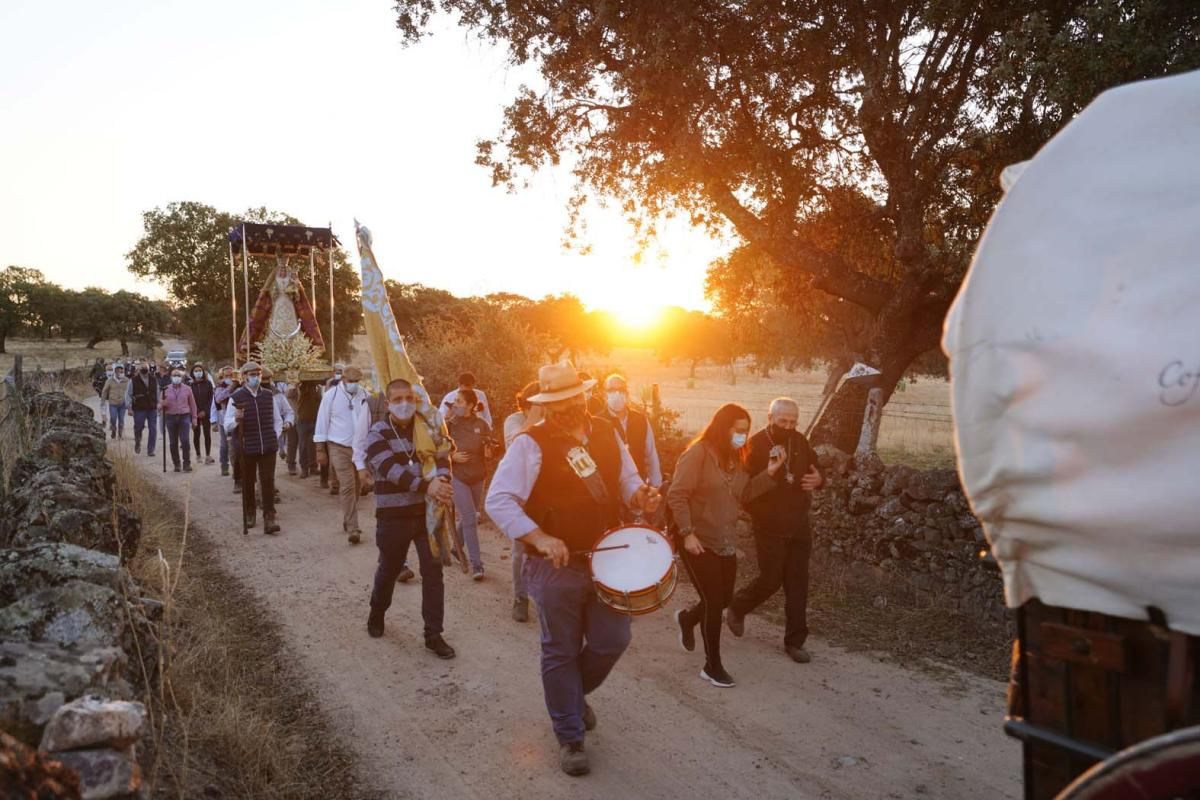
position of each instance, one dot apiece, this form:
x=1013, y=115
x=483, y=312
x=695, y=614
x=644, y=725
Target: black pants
x=202, y=426
x=235, y=455
x=713, y=576
x=263, y=466
x=392, y=537
x=781, y=562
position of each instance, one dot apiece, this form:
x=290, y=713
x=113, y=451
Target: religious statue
x=282, y=310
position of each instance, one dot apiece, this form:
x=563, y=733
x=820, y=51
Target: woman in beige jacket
x=113, y=393
x=707, y=491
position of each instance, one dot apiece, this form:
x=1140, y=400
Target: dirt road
x=844, y=726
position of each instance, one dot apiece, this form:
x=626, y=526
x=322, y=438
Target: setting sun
x=639, y=315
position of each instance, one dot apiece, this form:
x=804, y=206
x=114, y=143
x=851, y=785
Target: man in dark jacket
x=142, y=397
x=203, y=390
x=306, y=398
x=258, y=421
x=782, y=533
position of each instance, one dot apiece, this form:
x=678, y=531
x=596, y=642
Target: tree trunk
x=93, y=341
x=124, y=348
x=909, y=325
x=3, y=336
x=691, y=374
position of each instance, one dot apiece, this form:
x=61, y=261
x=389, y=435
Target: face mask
x=108, y=372
x=225, y=381
x=198, y=374
x=176, y=379
x=738, y=440
x=402, y=411
x=779, y=433
x=253, y=381
x=351, y=388
x=570, y=418
x=337, y=376
x=616, y=402
x=144, y=371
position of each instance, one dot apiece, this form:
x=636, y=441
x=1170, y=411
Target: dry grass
x=52, y=354
x=229, y=717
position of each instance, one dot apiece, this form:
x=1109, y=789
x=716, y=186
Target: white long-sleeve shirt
x=344, y=419
x=485, y=414
x=519, y=470
x=280, y=415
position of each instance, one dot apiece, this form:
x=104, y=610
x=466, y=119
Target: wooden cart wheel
x=1166, y=767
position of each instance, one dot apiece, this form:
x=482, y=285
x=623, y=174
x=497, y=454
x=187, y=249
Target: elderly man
x=258, y=423
x=634, y=428
x=560, y=485
x=141, y=397
x=782, y=533
x=343, y=420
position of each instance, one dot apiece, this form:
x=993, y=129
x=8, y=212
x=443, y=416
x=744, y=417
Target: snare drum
x=638, y=578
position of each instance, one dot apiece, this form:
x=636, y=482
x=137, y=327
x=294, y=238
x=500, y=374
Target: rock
x=63, y=446
x=932, y=484
x=891, y=507
x=931, y=535
x=861, y=502
x=26, y=773
x=29, y=569
x=103, y=773
x=37, y=678
x=74, y=614
x=93, y=721
x=870, y=463
x=897, y=478
x=832, y=460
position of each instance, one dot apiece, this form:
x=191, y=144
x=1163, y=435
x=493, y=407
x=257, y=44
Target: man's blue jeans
x=581, y=640
x=224, y=446
x=149, y=420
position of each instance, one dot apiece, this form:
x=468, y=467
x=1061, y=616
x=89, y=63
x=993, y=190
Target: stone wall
x=910, y=529
x=69, y=611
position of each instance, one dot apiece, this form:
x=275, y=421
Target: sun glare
x=639, y=315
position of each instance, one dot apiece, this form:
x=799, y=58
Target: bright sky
x=306, y=106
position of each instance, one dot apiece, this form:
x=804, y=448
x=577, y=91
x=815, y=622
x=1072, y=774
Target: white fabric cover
x=1074, y=350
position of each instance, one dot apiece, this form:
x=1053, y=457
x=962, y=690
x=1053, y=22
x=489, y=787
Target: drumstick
x=601, y=549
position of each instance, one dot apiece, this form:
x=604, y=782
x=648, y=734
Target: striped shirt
x=399, y=485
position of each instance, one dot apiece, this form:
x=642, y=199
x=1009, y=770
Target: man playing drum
x=557, y=489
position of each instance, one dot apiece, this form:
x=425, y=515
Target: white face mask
x=176, y=379
x=108, y=372
x=351, y=388
x=402, y=411
x=616, y=402
x=199, y=373
x=337, y=375
x=739, y=440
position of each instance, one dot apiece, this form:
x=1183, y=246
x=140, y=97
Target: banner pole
x=332, y=335
x=233, y=304
x=246, y=286
x=312, y=279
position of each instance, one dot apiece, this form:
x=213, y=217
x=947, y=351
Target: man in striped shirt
x=400, y=493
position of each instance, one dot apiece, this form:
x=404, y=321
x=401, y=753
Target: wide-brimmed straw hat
x=559, y=382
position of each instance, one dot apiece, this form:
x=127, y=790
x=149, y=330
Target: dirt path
x=844, y=726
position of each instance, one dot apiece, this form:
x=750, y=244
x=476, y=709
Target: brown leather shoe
x=589, y=718
x=573, y=759
x=735, y=622
x=799, y=655
x=270, y=525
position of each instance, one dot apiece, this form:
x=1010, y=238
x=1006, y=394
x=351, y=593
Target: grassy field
x=53, y=354
x=916, y=423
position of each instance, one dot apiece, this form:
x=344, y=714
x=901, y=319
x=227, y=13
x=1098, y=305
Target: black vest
x=634, y=435
x=258, y=420
x=560, y=502
x=145, y=393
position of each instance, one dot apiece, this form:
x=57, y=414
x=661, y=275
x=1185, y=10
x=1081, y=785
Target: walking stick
x=162, y=414
x=241, y=432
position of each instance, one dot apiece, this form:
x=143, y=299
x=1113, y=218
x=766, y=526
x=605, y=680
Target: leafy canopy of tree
x=787, y=120
x=184, y=247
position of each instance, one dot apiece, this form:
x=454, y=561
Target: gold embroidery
x=581, y=461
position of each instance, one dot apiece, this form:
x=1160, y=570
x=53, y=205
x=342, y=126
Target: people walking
x=258, y=422
x=782, y=531
x=560, y=486
x=400, y=492
x=113, y=394
x=203, y=391
x=470, y=435
x=301, y=448
x=634, y=427
x=179, y=410
x=227, y=384
x=142, y=397
x=340, y=437
x=467, y=381
x=708, y=487
x=526, y=415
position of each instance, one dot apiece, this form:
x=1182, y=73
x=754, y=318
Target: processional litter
x=283, y=309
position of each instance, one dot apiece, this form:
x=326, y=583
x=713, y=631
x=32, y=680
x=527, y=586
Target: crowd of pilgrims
x=354, y=442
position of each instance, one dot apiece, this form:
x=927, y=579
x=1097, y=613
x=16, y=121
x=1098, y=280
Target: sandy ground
x=845, y=726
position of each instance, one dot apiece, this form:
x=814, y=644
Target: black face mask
x=143, y=370
x=778, y=433
x=571, y=418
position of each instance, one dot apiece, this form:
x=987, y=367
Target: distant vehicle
x=177, y=358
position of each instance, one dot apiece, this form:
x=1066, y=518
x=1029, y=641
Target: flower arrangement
x=288, y=356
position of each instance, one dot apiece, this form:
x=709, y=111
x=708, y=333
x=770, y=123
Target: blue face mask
x=253, y=380
x=738, y=441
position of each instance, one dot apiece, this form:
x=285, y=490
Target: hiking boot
x=177, y=468
x=799, y=655
x=589, y=717
x=374, y=625
x=355, y=537
x=718, y=677
x=237, y=487
x=149, y=454
x=687, y=633
x=187, y=467
x=405, y=575
x=224, y=472
x=251, y=520
x=335, y=490
x=291, y=469
x=735, y=622
x=270, y=525
x=520, y=611
x=573, y=759
x=437, y=645
x=324, y=482
x=112, y=434
x=477, y=574
x=137, y=447
x=303, y=473
x=208, y=459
